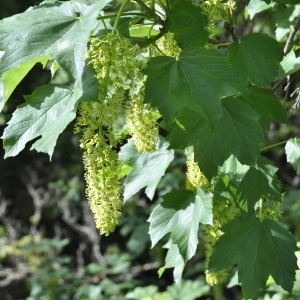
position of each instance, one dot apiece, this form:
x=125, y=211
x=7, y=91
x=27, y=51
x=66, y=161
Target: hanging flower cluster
x=117, y=64
x=141, y=119
x=223, y=212
x=194, y=177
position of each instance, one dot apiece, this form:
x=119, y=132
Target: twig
x=290, y=39
x=231, y=30
x=88, y=230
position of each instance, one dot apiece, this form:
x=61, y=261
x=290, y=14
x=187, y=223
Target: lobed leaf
x=147, y=168
x=45, y=114
x=267, y=105
x=198, y=80
x=238, y=132
x=13, y=77
x=256, y=57
x=59, y=30
x=189, y=23
x=261, y=248
x=180, y=214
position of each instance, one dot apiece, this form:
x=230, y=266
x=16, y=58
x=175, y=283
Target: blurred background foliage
x=49, y=247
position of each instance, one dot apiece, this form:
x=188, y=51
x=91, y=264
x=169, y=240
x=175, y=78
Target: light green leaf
x=189, y=23
x=233, y=167
x=292, y=150
x=59, y=30
x=141, y=30
x=289, y=65
x=254, y=53
x=180, y=214
x=197, y=81
x=256, y=6
x=46, y=113
x=13, y=77
x=261, y=248
x=173, y=260
x=147, y=168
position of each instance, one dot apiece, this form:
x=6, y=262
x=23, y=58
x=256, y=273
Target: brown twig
x=292, y=34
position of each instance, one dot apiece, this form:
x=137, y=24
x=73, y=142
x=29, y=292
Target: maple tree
x=207, y=97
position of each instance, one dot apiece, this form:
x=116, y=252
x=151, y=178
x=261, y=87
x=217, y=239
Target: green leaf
x=173, y=260
x=147, y=168
x=261, y=248
x=141, y=30
x=197, y=80
x=59, y=30
x=192, y=129
x=13, y=77
x=189, y=23
x=46, y=113
x=289, y=65
x=179, y=214
x=292, y=150
x=256, y=6
x=253, y=186
x=267, y=105
x=242, y=130
x=238, y=132
x=257, y=57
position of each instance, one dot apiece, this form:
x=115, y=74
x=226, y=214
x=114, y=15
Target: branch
x=290, y=39
x=39, y=198
x=88, y=230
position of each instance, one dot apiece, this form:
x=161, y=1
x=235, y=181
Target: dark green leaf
x=197, y=80
x=292, y=150
x=180, y=214
x=147, y=168
x=46, y=113
x=260, y=248
x=242, y=130
x=257, y=57
x=189, y=23
x=238, y=132
x=253, y=186
x=267, y=105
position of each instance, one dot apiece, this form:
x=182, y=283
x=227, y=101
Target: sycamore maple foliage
x=215, y=98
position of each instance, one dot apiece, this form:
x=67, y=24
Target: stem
x=217, y=292
x=142, y=15
x=119, y=15
x=273, y=145
x=147, y=8
x=260, y=208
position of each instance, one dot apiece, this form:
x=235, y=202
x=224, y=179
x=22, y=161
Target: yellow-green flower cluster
x=217, y=10
x=223, y=212
x=117, y=63
x=102, y=167
x=194, y=177
x=269, y=209
x=168, y=45
x=141, y=119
